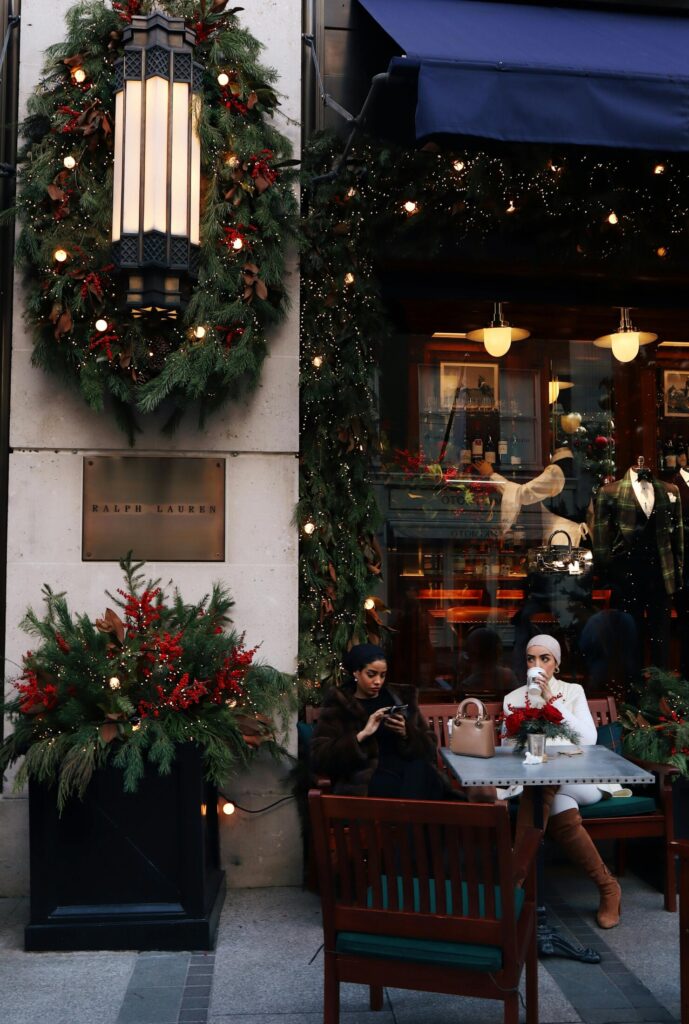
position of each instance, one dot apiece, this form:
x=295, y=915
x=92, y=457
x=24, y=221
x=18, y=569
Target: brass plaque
x=167, y=510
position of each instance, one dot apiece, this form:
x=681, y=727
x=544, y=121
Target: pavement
x=267, y=969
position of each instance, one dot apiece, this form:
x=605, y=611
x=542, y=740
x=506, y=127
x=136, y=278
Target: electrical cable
x=257, y=810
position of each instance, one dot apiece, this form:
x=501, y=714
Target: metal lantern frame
x=157, y=163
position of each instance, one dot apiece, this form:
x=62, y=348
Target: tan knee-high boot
x=525, y=815
x=566, y=829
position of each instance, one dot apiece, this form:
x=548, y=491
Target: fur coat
x=335, y=751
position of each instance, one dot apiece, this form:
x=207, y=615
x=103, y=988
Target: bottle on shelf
x=465, y=457
x=477, y=448
x=490, y=453
x=681, y=450
x=515, y=451
x=670, y=456
x=503, y=450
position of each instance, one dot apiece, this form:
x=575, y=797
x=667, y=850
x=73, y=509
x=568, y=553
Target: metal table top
x=596, y=764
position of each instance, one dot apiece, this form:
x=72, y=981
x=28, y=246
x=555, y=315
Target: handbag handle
x=482, y=715
x=569, y=540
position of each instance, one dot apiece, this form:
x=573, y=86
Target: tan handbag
x=473, y=737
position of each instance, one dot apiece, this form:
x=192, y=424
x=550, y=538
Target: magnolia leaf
x=252, y=100
x=261, y=289
x=74, y=62
x=64, y=324
x=111, y=623
x=55, y=312
x=108, y=732
x=343, y=228
x=331, y=570
x=55, y=193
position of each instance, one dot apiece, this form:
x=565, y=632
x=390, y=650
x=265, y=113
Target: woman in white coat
x=561, y=804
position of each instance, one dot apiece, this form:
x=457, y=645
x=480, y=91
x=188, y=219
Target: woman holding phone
x=372, y=740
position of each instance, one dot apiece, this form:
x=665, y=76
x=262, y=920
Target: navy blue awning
x=522, y=73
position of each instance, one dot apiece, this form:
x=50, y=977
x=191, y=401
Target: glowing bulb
x=613, y=218
x=511, y=208
x=223, y=78
x=228, y=808
x=458, y=165
x=351, y=192
x=349, y=278
x=317, y=361
x=553, y=391
x=231, y=703
x=199, y=332
x=114, y=683
x=60, y=255
x=659, y=169
x=410, y=207
x=497, y=340
x=238, y=244
x=69, y=162
x=232, y=160
x=661, y=251
x=79, y=75
x=309, y=528
x=625, y=345
x=101, y=324
x=136, y=726
x=369, y=604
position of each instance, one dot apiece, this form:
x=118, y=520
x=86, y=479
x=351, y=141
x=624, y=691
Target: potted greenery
x=540, y=720
x=123, y=727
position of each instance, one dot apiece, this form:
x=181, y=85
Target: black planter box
x=127, y=871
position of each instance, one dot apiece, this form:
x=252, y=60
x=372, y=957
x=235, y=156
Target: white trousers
x=569, y=797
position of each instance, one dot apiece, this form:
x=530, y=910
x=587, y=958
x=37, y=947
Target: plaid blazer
x=616, y=515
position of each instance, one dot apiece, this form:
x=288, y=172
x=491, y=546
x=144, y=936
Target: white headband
x=549, y=642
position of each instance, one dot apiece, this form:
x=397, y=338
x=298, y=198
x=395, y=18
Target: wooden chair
x=681, y=846
x=425, y=895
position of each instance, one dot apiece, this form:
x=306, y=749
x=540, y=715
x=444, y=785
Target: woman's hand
x=371, y=726
x=396, y=723
x=546, y=691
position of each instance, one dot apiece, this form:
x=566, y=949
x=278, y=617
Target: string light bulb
x=223, y=79
x=199, y=332
x=369, y=604
x=69, y=162
x=60, y=255
x=351, y=192
x=661, y=251
x=410, y=207
x=659, y=169
x=228, y=808
x=114, y=683
x=101, y=324
x=309, y=528
x=511, y=207
x=79, y=75
x=458, y=165
x=317, y=361
x=232, y=160
x=613, y=218
x=349, y=277
x=237, y=244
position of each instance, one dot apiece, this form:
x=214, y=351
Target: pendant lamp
x=626, y=339
x=555, y=386
x=498, y=335
x=157, y=163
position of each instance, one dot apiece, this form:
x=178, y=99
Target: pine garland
x=129, y=689
x=656, y=723
x=248, y=218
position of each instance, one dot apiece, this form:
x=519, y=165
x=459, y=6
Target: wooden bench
x=399, y=912
x=625, y=823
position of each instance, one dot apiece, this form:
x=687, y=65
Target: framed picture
x=472, y=385
x=676, y=392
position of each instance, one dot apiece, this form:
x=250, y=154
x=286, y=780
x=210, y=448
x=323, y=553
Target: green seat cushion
x=619, y=807
x=449, y=954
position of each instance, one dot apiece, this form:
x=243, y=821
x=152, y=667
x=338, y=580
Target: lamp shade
x=498, y=335
x=157, y=163
x=626, y=340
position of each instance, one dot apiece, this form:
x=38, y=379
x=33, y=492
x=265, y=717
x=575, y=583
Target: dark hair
x=361, y=655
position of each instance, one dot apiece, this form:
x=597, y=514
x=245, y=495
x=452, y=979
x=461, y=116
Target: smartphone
x=397, y=709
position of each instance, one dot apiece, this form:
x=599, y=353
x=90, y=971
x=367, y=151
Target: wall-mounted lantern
x=157, y=163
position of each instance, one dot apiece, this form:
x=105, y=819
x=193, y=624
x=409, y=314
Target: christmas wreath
x=75, y=299
x=134, y=684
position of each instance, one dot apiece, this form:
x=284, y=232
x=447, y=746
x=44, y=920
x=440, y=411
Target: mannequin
x=681, y=481
x=564, y=492
x=639, y=546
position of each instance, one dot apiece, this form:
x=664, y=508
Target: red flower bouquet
x=546, y=719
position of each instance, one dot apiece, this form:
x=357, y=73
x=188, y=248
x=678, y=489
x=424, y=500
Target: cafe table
x=565, y=765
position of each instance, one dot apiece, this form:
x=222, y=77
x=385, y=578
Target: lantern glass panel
x=195, y=175
x=117, y=169
x=155, y=174
x=180, y=161
x=132, y=158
